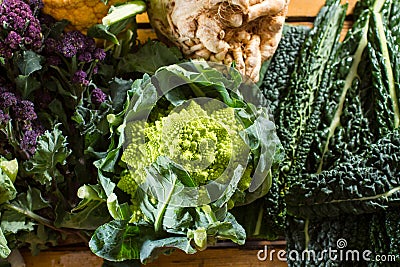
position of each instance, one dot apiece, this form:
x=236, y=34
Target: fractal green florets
x=203, y=138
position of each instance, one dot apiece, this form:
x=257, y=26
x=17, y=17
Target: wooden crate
x=212, y=257
x=301, y=12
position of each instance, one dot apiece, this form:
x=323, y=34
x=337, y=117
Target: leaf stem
x=257, y=229
x=160, y=215
x=46, y=222
x=209, y=214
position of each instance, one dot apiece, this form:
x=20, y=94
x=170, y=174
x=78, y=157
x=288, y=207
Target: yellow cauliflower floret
x=81, y=14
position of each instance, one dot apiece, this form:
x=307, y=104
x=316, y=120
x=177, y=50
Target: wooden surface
x=212, y=257
x=300, y=12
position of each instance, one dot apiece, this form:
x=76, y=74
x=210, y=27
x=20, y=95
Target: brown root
x=245, y=31
x=238, y=57
x=265, y=8
x=253, y=58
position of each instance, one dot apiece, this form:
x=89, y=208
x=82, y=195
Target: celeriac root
x=245, y=31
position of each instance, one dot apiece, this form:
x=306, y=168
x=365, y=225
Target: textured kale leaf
x=279, y=69
x=364, y=183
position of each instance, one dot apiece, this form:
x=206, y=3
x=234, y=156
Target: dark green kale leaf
x=299, y=110
x=364, y=183
x=279, y=69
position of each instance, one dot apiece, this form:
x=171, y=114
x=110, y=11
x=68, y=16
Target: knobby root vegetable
x=245, y=31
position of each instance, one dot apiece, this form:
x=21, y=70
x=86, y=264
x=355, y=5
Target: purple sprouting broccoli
x=73, y=43
x=20, y=28
x=99, y=54
x=80, y=77
x=5, y=50
x=98, y=96
x=85, y=57
x=7, y=100
x=24, y=111
x=13, y=40
x=23, y=118
x=29, y=140
x=50, y=46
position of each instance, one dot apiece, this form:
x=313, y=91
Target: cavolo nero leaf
x=300, y=110
x=265, y=217
x=368, y=182
x=344, y=180
x=280, y=67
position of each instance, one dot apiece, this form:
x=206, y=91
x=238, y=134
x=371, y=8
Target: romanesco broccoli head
x=129, y=185
x=203, y=138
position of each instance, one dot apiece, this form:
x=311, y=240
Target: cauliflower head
x=81, y=14
x=204, y=139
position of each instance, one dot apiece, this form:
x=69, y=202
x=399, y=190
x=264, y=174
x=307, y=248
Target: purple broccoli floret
x=13, y=40
x=98, y=96
x=99, y=54
x=50, y=45
x=17, y=18
x=85, y=57
x=80, y=78
x=72, y=43
x=5, y=50
x=25, y=124
x=7, y=100
x=29, y=137
x=95, y=69
x=24, y=111
x=29, y=141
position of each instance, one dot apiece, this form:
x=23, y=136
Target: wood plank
x=212, y=257
x=218, y=258
x=145, y=34
x=297, y=8
x=62, y=258
x=307, y=8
